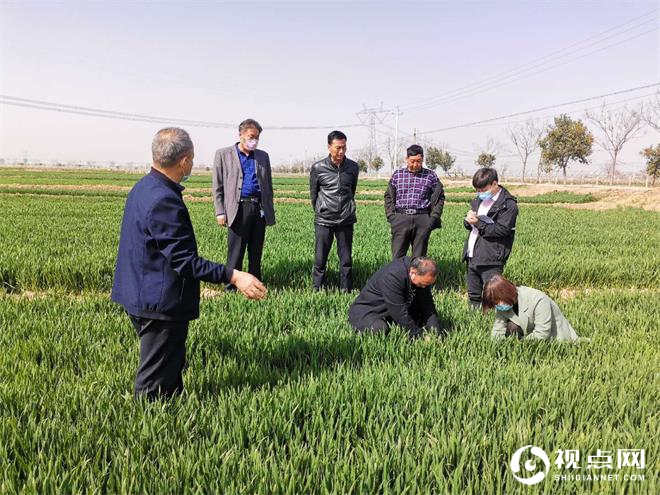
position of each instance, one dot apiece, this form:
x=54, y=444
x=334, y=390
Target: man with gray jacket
x=243, y=197
x=332, y=185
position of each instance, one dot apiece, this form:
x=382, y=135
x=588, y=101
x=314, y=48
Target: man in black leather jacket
x=332, y=185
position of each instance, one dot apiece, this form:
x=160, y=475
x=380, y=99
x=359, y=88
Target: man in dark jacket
x=414, y=200
x=400, y=294
x=332, y=185
x=158, y=268
x=492, y=225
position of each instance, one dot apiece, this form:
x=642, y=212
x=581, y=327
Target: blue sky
x=310, y=64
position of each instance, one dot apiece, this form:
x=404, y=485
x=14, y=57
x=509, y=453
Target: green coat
x=538, y=316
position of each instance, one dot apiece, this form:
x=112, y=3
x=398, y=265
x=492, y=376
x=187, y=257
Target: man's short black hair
x=484, y=177
x=336, y=135
x=415, y=150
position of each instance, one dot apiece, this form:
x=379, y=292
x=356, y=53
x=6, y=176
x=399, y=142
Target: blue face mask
x=503, y=307
x=186, y=176
x=483, y=196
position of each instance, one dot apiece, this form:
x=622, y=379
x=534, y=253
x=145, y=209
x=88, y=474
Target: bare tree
x=651, y=112
x=525, y=138
x=617, y=128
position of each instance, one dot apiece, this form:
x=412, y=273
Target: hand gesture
x=248, y=285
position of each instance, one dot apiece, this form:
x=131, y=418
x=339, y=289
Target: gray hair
x=170, y=145
x=247, y=124
x=424, y=265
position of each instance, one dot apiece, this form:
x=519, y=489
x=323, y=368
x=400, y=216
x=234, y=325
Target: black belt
x=413, y=211
x=250, y=199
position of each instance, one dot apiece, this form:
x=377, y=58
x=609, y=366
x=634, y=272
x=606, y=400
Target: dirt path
x=608, y=197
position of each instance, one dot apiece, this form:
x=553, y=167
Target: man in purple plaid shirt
x=413, y=205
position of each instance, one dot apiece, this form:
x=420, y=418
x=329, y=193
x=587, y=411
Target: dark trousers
x=162, y=357
x=248, y=230
x=324, y=236
x=477, y=276
x=410, y=230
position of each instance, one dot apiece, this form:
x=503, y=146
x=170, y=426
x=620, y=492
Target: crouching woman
x=524, y=312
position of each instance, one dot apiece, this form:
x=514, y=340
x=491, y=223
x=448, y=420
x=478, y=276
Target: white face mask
x=251, y=144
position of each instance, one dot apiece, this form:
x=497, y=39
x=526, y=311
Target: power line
x=549, y=116
x=86, y=63
x=526, y=76
x=452, y=150
x=517, y=68
x=540, y=109
x=470, y=88
x=371, y=115
x=460, y=152
x=543, y=117
x=457, y=151
x=109, y=114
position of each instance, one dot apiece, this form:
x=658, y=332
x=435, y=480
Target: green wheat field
x=281, y=395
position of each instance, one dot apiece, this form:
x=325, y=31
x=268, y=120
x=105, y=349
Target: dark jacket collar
x=160, y=176
x=329, y=161
x=504, y=195
x=406, y=261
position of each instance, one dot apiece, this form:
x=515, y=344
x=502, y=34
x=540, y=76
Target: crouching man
x=398, y=294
